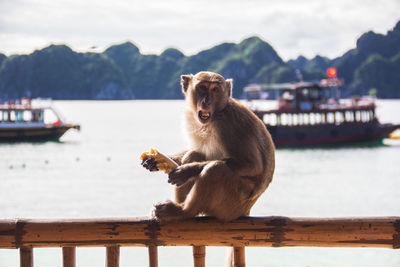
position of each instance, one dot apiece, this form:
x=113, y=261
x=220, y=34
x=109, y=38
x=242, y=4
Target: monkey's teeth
x=204, y=115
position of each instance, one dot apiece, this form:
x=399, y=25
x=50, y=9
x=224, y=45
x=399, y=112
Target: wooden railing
x=27, y=234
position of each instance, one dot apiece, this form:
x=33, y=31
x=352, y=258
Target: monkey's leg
x=182, y=191
x=187, y=156
x=217, y=192
x=170, y=211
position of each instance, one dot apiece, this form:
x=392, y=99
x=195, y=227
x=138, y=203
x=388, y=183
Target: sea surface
x=96, y=173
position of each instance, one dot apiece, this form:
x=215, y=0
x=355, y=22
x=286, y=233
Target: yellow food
x=163, y=162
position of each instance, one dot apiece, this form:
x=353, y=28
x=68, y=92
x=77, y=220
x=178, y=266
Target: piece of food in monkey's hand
x=154, y=161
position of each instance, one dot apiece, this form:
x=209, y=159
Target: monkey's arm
x=178, y=157
x=183, y=173
x=188, y=156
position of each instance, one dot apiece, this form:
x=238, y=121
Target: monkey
x=230, y=160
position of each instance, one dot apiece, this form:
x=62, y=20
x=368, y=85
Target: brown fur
x=231, y=159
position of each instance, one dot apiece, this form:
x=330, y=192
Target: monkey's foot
x=168, y=211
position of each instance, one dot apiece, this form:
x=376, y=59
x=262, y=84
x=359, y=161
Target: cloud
x=292, y=27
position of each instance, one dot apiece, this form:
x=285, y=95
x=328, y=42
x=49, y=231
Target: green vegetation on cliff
x=123, y=72
x=373, y=64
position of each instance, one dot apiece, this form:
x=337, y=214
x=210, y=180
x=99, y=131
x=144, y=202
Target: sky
x=292, y=27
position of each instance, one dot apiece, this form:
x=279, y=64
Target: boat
x=26, y=120
x=313, y=114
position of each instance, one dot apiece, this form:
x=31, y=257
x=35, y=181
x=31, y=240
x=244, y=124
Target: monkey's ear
x=185, y=80
x=229, y=86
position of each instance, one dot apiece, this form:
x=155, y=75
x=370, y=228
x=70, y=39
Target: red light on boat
x=331, y=72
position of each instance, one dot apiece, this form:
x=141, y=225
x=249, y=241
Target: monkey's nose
x=206, y=102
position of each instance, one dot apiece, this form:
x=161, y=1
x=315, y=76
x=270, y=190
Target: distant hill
x=123, y=72
x=374, y=63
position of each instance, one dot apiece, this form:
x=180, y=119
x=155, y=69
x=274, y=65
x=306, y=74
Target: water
x=97, y=173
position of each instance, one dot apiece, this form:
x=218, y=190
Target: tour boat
x=312, y=114
x=26, y=120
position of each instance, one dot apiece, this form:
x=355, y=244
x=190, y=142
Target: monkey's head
x=207, y=93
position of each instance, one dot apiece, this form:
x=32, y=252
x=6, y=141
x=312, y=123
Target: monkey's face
x=207, y=93
x=209, y=98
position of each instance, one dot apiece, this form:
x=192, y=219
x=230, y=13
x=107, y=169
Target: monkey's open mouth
x=204, y=116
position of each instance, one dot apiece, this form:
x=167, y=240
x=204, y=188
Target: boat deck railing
x=27, y=234
x=317, y=117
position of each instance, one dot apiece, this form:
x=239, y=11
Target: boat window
x=330, y=118
x=11, y=116
x=305, y=105
x=306, y=119
x=300, y=118
x=358, y=115
x=283, y=119
x=27, y=115
x=295, y=119
x=366, y=116
x=347, y=116
x=318, y=117
x=338, y=117
x=1, y=116
x=34, y=116
x=372, y=114
x=290, y=119
x=312, y=118
x=19, y=115
x=40, y=116
x=270, y=119
x=363, y=116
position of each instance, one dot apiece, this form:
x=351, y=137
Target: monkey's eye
x=215, y=89
x=203, y=88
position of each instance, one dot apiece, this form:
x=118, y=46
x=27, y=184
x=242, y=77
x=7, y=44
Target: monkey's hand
x=183, y=173
x=155, y=161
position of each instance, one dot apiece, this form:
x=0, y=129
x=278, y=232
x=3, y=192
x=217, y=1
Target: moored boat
x=25, y=120
x=312, y=114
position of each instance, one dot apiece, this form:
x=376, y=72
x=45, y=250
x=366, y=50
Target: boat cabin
x=312, y=103
x=21, y=116
x=24, y=113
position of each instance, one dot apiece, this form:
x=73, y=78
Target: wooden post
x=69, y=256
x=153, y=256
x=26, y=256
x=199, y=256
x=239, y=257
x=112, y=256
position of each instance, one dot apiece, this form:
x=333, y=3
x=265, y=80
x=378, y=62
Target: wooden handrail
x=246, y=231
x=198, y=233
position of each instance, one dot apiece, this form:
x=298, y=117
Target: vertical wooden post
x=26, y=257
x=239, y=257
x=69, y=256
x=199, y=256
x=112, y=256
x=153, y=256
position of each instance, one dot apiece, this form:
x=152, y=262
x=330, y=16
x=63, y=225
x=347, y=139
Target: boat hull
x=329, y=134
x=34, y=134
